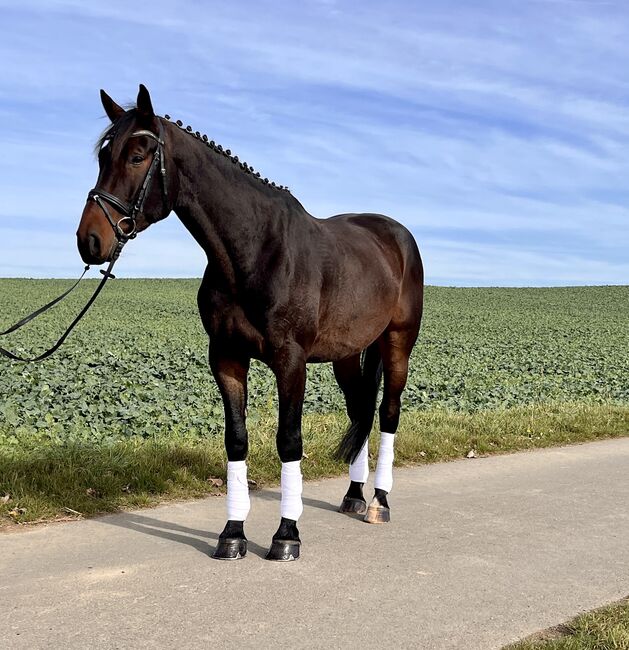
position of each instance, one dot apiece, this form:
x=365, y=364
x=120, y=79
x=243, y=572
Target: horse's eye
x=136, y=160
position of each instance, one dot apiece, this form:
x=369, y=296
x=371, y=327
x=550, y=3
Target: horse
x=281, y=286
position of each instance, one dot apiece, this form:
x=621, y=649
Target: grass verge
x=43, y=479
x=603, y=629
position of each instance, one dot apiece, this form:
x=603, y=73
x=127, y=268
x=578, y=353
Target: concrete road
x=479, y=553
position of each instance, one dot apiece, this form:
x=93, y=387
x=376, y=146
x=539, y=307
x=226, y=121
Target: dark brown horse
x=280, y=286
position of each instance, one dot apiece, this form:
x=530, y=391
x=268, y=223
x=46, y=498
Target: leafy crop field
x=136, y=366
x=127, y=413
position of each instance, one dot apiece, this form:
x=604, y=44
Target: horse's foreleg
x=290, y=371
x=231, y=377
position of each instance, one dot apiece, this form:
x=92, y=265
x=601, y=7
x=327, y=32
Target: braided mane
x=248, y=169
x=122, y=129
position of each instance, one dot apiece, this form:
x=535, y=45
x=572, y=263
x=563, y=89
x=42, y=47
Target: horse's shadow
x=267, y=495
x=197, y=539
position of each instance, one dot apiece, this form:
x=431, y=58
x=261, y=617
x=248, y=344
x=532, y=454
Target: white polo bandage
x=359, y=469
x=237, y=491
x=384, y=468
x=292, y=506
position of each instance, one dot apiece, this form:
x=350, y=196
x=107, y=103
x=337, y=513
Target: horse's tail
x=360, y=427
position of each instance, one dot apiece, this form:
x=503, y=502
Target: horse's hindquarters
x=372, y=279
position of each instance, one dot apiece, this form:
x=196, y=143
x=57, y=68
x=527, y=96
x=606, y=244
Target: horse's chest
x=227, y=324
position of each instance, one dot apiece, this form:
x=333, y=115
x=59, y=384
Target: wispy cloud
x=496, y=131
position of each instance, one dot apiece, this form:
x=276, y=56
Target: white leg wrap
x=359, y=469
x=384, y=468
x=292, y=507
x=237, y=491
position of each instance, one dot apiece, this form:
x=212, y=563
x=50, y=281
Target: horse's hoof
x=351, y=505
x=377, y=514
x=283, y=550
x=230, y=548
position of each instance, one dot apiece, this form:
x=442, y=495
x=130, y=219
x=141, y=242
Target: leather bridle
x=130, y=212
x=133, y=208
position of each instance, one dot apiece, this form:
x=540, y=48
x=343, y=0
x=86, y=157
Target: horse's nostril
x=94, y=245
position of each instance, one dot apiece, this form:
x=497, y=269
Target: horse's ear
x=111, y=108
x=145, y=107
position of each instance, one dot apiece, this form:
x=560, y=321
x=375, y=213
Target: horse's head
x=133, y=188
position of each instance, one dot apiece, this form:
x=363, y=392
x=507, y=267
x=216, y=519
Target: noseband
x=132, y=209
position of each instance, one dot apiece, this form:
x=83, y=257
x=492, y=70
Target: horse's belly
x=347, y=338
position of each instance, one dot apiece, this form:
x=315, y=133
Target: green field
x=135, y=372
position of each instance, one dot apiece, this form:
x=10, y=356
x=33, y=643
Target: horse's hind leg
x=349, y=377
x=395, y=347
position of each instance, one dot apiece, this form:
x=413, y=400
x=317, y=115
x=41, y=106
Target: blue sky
x=498, y=132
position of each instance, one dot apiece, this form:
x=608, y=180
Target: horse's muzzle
x=92, y=248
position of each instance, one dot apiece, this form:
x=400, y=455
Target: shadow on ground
x=268, y=495
x=201, y=540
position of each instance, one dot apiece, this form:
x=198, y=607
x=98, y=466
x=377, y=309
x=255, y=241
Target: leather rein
x=124, y=230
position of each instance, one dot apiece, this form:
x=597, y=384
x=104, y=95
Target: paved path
x=479, y=553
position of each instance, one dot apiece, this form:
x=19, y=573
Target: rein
x=107, y=274
x=130, y=212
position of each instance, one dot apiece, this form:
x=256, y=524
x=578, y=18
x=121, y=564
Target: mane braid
x=248, y=169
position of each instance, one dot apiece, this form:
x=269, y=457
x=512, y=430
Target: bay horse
x=280, y=286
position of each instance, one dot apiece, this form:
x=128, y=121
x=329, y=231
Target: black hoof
x=353, y=506
x=283, y=550
x=234, y=548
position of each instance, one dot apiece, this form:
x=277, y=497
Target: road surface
x=479, y=553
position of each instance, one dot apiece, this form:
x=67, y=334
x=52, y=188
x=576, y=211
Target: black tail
x=360, y=428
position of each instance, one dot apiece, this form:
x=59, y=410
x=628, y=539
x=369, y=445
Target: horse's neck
x=230, y=214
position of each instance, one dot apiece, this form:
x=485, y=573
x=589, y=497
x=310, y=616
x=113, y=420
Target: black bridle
x=130, y=212
x=135, y=207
